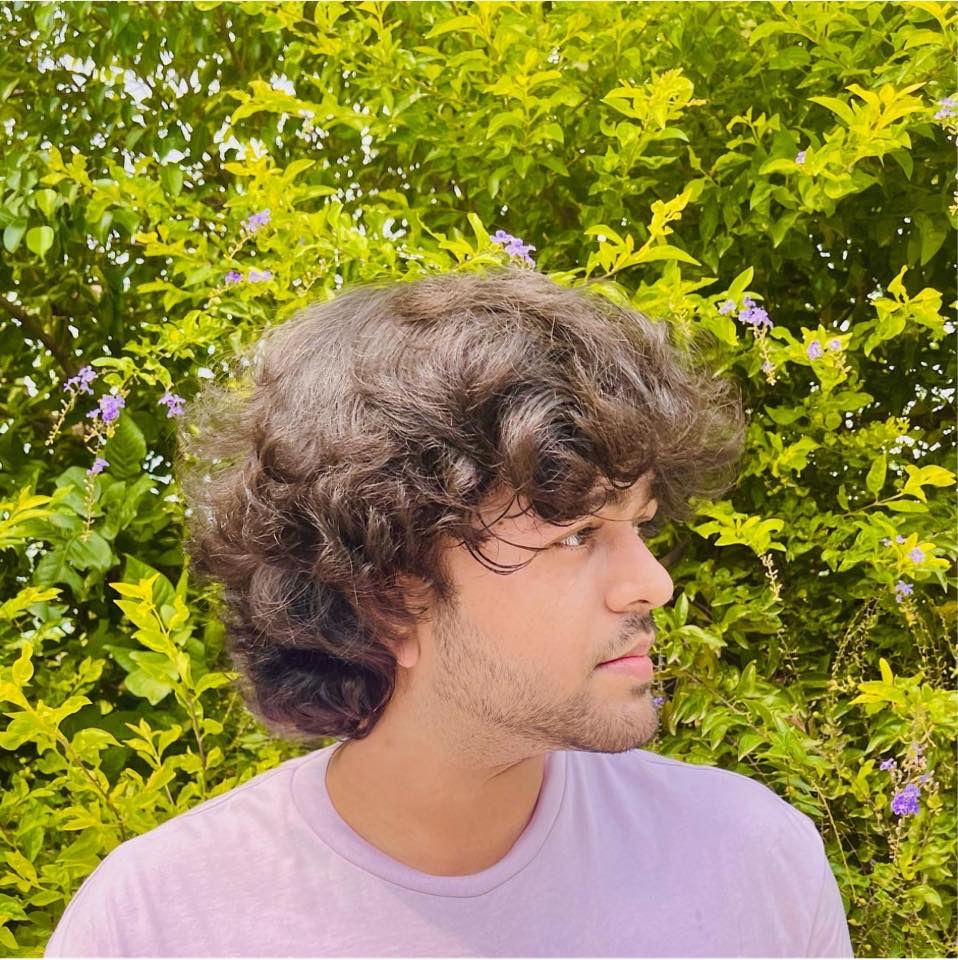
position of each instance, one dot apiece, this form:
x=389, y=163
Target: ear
x=407, y=653
x=408, y=649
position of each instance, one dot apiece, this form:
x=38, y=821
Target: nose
x=638, y=577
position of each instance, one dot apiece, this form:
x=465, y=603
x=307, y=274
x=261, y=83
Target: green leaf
x=748, y=742
x=468, y=24
x=663, y=251
x=46, y=201
x=126, y=449
x=13, y=234
x=886, y=674
x=838, y=107
x=740, y=284
x=210, y=681
x=171, y=176
x=141, y=684
x=876, y=475
x=40, y=239
x=90, y=552
x=23, y=666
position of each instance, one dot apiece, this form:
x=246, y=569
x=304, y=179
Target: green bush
x=774, y=180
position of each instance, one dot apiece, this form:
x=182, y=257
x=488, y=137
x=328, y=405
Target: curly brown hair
x=358, y=441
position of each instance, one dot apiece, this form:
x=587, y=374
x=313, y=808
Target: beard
x=509, y=710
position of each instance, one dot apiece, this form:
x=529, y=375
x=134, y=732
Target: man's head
x=356, y=496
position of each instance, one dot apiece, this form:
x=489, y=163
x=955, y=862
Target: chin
x=624, y=731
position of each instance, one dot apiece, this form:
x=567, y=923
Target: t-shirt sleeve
x=830, y=937
x=91, y=922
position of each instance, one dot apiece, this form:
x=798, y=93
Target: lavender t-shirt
x=626, y=855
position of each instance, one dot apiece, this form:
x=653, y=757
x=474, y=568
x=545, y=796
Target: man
x=428, y=511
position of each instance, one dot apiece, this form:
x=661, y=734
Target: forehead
x=505, y=512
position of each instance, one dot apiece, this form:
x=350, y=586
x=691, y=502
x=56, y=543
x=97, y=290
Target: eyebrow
x=617, y=498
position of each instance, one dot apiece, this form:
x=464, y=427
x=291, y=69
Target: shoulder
x=202, y=855
x=697, y=797
x=214, y=831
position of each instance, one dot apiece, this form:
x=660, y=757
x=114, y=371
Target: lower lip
x=634, y=666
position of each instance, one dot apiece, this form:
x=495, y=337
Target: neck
x=442, y=808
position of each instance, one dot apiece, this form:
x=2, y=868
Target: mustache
x=639, y=626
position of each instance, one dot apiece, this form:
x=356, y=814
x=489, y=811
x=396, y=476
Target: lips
x=641, y=649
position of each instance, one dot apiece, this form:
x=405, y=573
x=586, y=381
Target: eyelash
x=646, y=529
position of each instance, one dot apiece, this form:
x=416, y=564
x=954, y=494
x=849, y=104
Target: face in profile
x=514, y=662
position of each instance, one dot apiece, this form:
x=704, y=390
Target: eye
x=584, y=536
x=645, y=529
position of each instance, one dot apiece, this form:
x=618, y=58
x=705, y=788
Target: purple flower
x=234, y=277
x=756, y=317
x=886, y=542
x=82, y=380
x=98, y=466
x=174, y=404
x=109, y=408
x=747, y=303
x=814, y=350
x=906, y=802
x=903, y=589
x=658, y=701
x=514, y=246
x=726, y=307
x=800, y=156
x=768, y=366
x=257, y=220
x=899, y=538
x=255, y=276
x=947, y=110
x=917, y=555
x=888, y=764
x=835, y=344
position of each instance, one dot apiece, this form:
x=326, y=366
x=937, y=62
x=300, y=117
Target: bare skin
x=449, y=777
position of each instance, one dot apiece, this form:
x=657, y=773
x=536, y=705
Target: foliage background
x=677, y=155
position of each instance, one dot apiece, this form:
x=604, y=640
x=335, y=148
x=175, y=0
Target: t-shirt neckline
x=311, y=800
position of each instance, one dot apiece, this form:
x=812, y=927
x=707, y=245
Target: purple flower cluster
x=514, y=246
x=754, y=315
x=898, y=539
x=257, y=220
x=174, y=404
x=81, y=382
x=903, y=589
x=800, y=157
x=109, y=408
x=917, y=555
x=905, y=802
x=949, y=109
x=751, y=313
x=658, y=701
x=255, y=276
x=814, y=350
x=98, y=466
